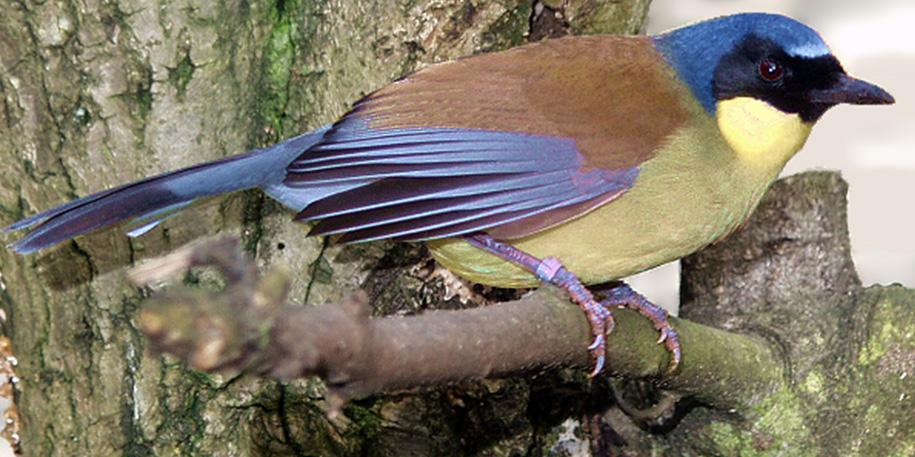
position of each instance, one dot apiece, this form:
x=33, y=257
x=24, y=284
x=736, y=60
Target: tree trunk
x=96, y=94
x=99, y=93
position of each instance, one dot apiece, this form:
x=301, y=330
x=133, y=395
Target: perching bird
x=588, y=158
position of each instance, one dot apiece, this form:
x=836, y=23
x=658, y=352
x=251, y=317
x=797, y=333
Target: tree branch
x=249, y=328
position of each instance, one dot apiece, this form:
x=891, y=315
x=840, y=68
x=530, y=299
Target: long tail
x=145, y=203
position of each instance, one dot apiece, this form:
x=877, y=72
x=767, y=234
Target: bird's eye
x=771, y=70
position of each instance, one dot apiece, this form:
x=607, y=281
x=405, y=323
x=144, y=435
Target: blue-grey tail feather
x=145, y=203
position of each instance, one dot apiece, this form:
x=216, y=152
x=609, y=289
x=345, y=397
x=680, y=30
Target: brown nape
x=613, y=96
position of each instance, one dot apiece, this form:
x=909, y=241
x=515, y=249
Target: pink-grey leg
x=551, y=271
x=623, y=296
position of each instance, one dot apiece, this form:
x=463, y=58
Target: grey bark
x=99, y=93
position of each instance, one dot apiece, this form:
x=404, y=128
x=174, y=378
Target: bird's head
x=766, y=78
x=767, y=57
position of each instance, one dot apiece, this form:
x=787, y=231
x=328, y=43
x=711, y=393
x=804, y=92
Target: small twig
x=652, y=416
x=221, y=253
x=250, y=329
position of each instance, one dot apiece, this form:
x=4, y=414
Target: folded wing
x=510, y=143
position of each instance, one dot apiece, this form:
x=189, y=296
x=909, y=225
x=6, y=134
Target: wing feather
x=386, y=215
x=510, y=142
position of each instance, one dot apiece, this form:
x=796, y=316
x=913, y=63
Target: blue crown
x=695, y=50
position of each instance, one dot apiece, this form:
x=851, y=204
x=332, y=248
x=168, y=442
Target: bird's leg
x=550, y=270
x=623, y=296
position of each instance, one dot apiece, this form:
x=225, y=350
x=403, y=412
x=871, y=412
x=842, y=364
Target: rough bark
x=99, y=93
x=849, y=351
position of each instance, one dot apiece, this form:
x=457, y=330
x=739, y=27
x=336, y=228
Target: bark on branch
x=248, y=327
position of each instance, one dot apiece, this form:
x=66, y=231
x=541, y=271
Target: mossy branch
x=248, y=327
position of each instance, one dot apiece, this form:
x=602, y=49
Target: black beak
x=853, y=91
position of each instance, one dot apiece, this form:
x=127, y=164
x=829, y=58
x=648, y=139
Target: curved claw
x=623, y=296
x=598, y=366
x=673, y=346
x=674, y=362
x=602, y=323
x=598, y=342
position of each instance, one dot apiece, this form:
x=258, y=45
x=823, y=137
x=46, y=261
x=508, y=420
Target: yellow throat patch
x=760, y=133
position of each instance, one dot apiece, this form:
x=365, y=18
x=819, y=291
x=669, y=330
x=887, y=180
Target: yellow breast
x=759, y=133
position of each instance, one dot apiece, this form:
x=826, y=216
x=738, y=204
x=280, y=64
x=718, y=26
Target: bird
x=575, y=161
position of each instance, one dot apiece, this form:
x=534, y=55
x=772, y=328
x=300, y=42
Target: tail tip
x=23, y=223
x=22, y=248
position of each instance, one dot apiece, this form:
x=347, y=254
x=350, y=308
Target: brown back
x=614, y=96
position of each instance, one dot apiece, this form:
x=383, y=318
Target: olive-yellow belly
x=698, y=188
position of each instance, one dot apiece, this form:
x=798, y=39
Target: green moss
x=180, y=76
x=550, y=438
x=814, y=384
x=186, y=393
x=882, y=395
x=280, y=58
x=366, y=423
x=280, y=53
x=894, y=312
x=782, y=425
x=730, y=440
x=779, y=429
x=907, y=451
x=290, y=421
x=509, y=30
x=599, y=17
x=862, y=412
x=138, y=95
x=144, y=102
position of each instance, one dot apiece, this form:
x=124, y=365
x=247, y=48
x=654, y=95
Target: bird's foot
x=624, y=297
x=550, y=270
